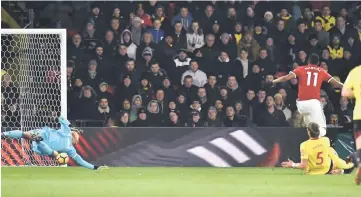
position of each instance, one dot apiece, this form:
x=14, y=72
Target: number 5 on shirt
x=319, y=158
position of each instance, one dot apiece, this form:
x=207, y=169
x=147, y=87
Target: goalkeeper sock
x=44, y=148
x=14, y=134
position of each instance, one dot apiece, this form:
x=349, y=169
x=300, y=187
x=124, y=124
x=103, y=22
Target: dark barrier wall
x=219, y=147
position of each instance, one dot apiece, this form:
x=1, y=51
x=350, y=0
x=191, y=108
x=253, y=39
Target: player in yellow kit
x=352, y=89
x=317, y=157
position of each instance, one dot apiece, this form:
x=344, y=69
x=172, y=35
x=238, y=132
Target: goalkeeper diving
x=51, y=142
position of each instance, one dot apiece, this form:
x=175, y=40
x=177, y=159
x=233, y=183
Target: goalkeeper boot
x=36, y=138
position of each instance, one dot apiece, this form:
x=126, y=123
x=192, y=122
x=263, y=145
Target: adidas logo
x=229, y=148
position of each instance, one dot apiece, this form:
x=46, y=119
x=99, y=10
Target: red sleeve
x=325, y=76
x=296, y=72
x=147, y=21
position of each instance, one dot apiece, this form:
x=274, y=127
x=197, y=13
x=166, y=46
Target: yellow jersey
x=316, y=151
x=327, y=22
x=353, y=82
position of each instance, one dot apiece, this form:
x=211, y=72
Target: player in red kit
x=310, y=79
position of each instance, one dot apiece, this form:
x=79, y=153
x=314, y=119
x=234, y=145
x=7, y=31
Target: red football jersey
x=310, y=79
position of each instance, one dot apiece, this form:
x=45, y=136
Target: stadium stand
x=197, y=64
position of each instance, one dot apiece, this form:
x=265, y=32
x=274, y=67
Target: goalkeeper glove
x=80, y=131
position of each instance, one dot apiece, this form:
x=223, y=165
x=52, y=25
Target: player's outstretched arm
x=64, y=124
x=291, y=164
x=284, y=78
x=335, y=84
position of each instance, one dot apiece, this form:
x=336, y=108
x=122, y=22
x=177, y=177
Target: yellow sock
x=339, y=163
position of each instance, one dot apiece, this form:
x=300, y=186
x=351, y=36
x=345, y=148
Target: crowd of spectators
x=205, y=64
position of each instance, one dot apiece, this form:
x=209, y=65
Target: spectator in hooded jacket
x=156, y=31
x=126, y=40
x=154, y=116
x=136, y=105
x=185, y=17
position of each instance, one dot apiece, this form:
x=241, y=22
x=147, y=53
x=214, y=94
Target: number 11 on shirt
x=310, y=78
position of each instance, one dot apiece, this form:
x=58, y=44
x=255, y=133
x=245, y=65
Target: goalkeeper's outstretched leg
x=33, y=135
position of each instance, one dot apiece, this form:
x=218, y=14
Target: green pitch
x=172, y=182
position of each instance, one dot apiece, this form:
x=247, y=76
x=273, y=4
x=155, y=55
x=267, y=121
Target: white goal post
x=34, y=88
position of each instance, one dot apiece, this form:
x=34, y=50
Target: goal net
x=33, y=75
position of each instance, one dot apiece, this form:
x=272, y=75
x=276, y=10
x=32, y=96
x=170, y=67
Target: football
x=62, y=158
